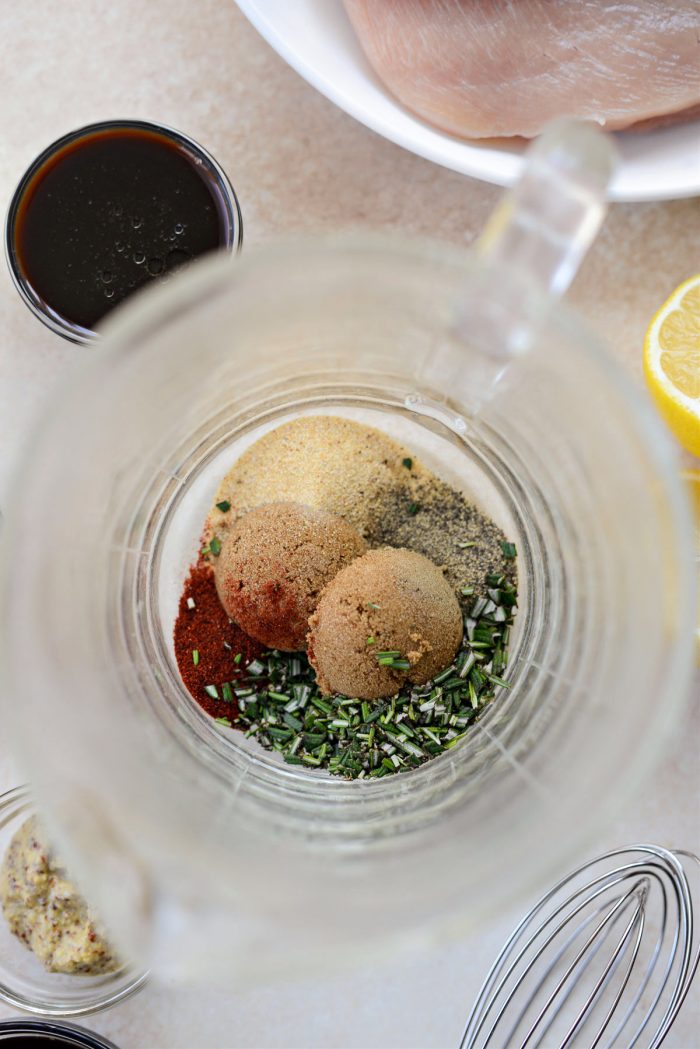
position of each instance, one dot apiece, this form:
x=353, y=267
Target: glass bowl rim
x=41, y=310
x=75, y=1035
x=21, y=797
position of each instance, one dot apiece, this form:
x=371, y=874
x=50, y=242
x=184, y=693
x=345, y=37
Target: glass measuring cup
x=209, y=857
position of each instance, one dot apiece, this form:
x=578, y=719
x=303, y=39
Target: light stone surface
x=299, y=164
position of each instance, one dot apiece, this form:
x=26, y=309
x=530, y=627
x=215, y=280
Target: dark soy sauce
x=109, y=212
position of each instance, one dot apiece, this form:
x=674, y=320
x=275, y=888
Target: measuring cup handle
x=546, y=223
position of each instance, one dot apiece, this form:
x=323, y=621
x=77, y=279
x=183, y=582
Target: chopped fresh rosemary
x=213, y=548
x=413, y=509
x=393, y=660
x=408, y=463
x=509, y=550
x=195, y=656
x=224, y=506
x=282, y=707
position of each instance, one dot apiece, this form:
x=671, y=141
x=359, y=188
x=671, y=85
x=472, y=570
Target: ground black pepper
x=439, y=522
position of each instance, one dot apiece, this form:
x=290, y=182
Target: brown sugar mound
x=274, y=564
x=389, y=600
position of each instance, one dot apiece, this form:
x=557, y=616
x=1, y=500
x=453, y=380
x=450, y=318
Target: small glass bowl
x=229, y=208
x=68, y=1035
x=24, y=982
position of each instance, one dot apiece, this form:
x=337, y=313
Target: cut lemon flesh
x=672, y=363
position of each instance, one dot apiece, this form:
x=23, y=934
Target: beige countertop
x=299, y=164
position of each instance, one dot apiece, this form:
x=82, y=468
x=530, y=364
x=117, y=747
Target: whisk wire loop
x=568, y=957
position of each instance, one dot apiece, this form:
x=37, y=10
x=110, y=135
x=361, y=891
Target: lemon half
x=672, y=363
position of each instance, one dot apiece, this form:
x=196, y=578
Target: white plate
x=317, y=40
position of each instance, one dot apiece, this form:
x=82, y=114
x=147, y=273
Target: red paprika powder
x=209, y=648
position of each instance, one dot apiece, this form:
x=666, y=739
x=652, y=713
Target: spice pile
x=388, y=648
x=321, y=461
x=274, y=565
x=212, y=652
x=46, y=912
x=388, y=620
x=439, y=522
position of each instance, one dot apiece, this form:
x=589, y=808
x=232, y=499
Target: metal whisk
x=605, y=958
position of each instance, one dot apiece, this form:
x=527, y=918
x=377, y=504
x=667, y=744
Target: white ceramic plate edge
x=644, y=173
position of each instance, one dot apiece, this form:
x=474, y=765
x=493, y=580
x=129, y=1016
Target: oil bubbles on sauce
x=109, y=212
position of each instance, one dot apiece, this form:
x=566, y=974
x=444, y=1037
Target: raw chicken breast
x=487, y=68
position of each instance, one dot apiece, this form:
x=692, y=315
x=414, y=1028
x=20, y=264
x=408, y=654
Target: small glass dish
x=42, y=1032
x=24, y=982
x=230, y=218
